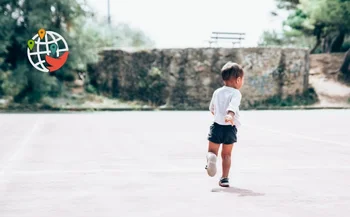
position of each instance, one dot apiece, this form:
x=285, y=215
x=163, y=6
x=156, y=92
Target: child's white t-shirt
x=225, y=99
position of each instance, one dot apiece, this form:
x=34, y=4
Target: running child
x=224, y=106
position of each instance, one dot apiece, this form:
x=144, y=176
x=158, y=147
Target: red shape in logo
x=56, y=63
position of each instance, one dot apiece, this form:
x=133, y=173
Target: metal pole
x=109, y=12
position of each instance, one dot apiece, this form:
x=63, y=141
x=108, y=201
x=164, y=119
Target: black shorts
x=222, y=134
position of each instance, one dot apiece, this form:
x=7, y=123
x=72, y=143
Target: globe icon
x=49, y=44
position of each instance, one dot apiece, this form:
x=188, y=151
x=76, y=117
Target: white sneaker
x=211, y=164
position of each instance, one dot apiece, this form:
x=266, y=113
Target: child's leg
x=213, y=148
x=226, y=159
x=211, y=158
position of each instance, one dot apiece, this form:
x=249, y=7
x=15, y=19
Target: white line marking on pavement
x=299, y=136
x=21, y=146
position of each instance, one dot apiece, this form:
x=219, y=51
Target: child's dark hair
x=231, y=69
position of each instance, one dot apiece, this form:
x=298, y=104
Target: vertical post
x=109, y=12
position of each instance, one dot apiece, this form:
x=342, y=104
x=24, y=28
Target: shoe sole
x=211, y=165
x=224, y=185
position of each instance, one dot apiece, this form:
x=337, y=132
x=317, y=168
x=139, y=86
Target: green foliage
x=69, y=77
x=346, y=45
x=329, y=12
x=293, y=38
x=328, y=21
x=287, y=4
x=99, y=36
x=90, y=89
x=333, y=14
x=297, y=20
x=21, y=19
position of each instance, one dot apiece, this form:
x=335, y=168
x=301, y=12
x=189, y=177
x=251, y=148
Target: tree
x=292, y=38
x=20, y=20
x=287, y=4
x=326, y=20
x=330, y=17
x=345, y=67
x=85, y=35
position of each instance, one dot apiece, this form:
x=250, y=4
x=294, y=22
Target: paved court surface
x=286, y=163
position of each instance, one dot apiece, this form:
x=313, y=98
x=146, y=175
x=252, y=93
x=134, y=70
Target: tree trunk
x=345, y=67
x=326, y=44
x=337, y=42
x=317, y=32
x=318, y=42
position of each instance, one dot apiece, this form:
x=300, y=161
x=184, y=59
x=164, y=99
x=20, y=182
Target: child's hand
x=229, y=119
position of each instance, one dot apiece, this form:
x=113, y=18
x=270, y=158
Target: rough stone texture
x=191, y=75
x=326, y=64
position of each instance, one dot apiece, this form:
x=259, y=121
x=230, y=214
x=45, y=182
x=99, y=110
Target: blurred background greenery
x=320, y=25
x=75, y=21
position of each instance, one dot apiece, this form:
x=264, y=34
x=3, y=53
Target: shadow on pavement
x=240, y=191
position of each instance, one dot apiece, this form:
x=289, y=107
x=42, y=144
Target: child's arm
x=211, y=105
x=233, y=107
x=229, y=118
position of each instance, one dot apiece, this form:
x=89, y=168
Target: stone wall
x=187, y=77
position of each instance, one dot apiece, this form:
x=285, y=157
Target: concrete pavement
x=286, y=163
